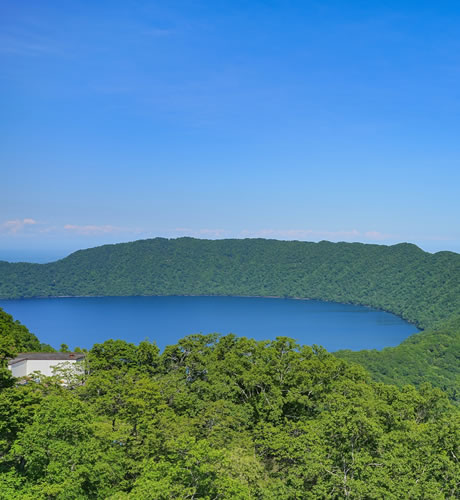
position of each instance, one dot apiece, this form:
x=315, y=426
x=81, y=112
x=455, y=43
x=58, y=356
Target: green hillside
x=432, y=355
x=225, y=418
x=421, y=287
x=228, y=417
x=418, y=286
x=14, y=338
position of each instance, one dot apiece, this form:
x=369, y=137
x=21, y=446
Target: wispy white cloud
x=91, y=229
x=312, y=234
x=211, y=233
x=378, y=236
x=31, y=227
x=47, y=229
x=17, y=225
x=284, y=234
x=299, y=234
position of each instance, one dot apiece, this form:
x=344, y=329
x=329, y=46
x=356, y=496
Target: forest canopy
x=230, y=417
x=225, y=417
x=420, y=287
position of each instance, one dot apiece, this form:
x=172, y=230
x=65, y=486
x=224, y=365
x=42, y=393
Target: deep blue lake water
x=83, y=321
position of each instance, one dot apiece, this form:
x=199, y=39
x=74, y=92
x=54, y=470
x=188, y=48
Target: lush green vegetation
x=432, y=355
x=15, y=338
x=418, y=286
x=225, y=418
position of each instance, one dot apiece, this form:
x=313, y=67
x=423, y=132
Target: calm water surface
x=83, y=321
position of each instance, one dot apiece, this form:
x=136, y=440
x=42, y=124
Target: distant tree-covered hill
x=230, y=417
x=420, y=287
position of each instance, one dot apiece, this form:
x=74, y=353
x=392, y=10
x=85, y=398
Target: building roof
x=61, y=356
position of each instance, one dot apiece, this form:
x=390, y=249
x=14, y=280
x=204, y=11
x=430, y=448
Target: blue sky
x=281, y=119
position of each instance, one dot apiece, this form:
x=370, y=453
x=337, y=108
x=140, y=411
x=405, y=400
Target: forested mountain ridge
x=230, y=417
x=421, y=287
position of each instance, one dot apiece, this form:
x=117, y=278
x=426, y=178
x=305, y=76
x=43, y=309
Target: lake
x=83, y=321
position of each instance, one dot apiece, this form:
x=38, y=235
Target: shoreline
x=220, y=295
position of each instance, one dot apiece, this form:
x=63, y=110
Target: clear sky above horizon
x=280, y=119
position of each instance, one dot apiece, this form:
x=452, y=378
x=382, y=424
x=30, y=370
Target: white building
x=27, y=362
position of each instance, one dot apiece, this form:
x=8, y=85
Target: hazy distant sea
x=32, y=255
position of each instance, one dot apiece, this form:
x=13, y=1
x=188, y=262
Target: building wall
x=28, y=366
x=19, y=369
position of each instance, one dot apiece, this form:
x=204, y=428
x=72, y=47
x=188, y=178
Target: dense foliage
x=225, y=417
x=228, y=418
x=14, y=338
x=418, y=286
x=432, y=355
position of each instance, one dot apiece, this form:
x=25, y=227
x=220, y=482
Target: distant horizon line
x=49, y=252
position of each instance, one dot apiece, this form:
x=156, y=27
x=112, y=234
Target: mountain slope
x=430, y=356
x=422, y=288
